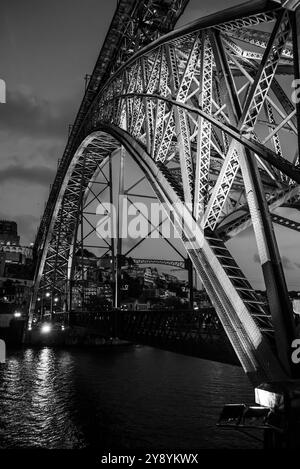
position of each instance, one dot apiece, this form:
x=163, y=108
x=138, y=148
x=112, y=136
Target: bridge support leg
x=119, y=234
x=275, y=283
x=112, y=241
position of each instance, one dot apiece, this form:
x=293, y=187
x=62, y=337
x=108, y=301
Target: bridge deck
x=198, y=334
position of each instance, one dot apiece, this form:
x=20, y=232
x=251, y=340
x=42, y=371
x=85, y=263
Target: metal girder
x=286, y=222
x=169, y=262
x=231, y=163
x=275, y=136
x=247, y=21
x=181, y=125
x=204, y=129
x=290, y=4
x=161, y=142
x=239, y=224
x=259, y=39
x=289, y=169
x=266, y=73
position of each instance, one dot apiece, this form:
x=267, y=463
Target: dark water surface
x=136, y=397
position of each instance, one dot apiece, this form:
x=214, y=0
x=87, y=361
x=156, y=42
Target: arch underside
x=205, y=114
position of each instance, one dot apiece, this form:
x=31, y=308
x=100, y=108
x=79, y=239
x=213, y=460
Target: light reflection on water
x=132, y=398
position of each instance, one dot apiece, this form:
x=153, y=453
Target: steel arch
x=251, y=346
x=178, y=100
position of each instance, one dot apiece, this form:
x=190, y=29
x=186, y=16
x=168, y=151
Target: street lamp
x=46, y=328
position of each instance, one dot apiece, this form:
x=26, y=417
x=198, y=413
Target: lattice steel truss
x=206, y=113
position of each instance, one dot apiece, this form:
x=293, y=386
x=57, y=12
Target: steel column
x=118, y=261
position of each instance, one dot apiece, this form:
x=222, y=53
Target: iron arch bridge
x=210, y=114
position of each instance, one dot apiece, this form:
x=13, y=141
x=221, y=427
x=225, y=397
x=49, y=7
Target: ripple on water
x=134, y=398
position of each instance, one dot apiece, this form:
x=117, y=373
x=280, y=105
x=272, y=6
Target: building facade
x=9, y=233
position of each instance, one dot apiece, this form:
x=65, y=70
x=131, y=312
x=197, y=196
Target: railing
x=195, y=333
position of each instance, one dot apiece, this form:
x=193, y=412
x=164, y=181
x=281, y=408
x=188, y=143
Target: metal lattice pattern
x=209, y=118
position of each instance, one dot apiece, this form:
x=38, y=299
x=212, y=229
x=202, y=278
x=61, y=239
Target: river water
x=132, y=397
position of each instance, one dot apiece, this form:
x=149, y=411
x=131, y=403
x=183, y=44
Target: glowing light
x=268, y=397
x=47, y=295
x=55, y=300
x=29, y=328
x=62, y=328
x=46, y=328
x=17, y=314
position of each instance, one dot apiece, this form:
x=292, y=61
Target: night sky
x=46, y=48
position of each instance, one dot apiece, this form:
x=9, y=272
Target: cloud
x=41, y=175
x=27, y=114
x=286, y=262
x=27, y=151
